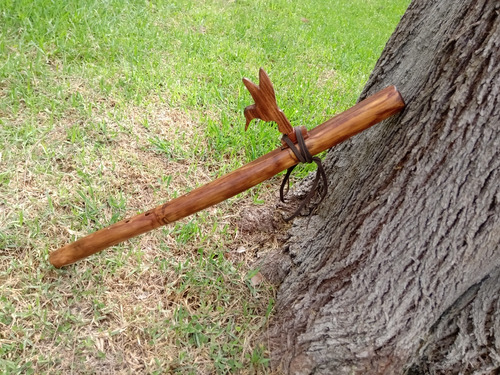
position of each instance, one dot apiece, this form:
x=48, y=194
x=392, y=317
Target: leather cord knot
x=304, y=156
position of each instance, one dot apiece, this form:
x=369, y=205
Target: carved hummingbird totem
x=266, y=108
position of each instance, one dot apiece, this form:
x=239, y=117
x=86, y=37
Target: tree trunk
x=399, y=269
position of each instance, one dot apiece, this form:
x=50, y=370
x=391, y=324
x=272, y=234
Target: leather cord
x=304, y=156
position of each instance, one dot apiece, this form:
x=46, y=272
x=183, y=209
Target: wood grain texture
x=411, y=221
x=266, y=107
x=363, y=115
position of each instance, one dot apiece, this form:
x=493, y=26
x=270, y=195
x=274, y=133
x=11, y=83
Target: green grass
x=108, y=108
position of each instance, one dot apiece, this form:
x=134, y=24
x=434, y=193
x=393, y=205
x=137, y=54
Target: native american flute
x=366, y=113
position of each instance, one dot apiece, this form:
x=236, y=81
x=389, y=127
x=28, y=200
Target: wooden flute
x=366, y=113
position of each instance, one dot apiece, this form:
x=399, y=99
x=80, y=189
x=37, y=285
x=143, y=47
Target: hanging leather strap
x=304, y=156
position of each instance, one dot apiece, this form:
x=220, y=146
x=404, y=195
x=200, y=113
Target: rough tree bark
x=399, y=270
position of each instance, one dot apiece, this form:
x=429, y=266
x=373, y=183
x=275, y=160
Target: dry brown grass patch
x=175, y=299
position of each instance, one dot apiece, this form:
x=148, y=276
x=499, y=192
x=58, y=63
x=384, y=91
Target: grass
x=108, y=108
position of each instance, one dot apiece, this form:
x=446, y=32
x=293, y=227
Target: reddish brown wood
x=265, y=107
x=363, y=115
